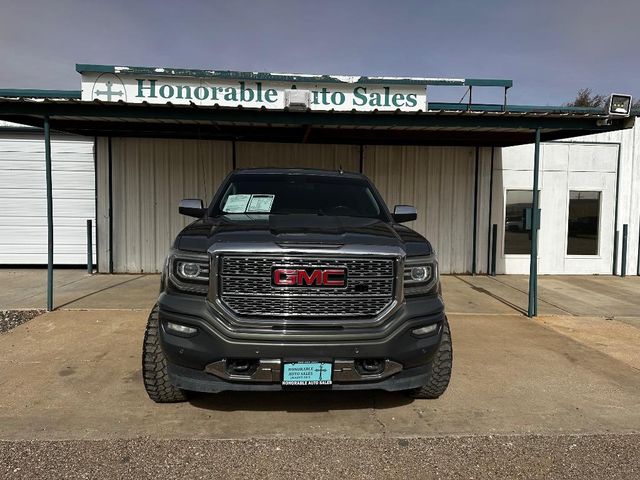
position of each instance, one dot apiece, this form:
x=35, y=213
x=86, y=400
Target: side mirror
x=191, y=207
x=404, y=213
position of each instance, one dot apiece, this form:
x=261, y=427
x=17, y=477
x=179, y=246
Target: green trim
x=289, y=78
x=554, y=109
x=488, y=107
x=33, y=93
x=88, y=67
x=485, y=82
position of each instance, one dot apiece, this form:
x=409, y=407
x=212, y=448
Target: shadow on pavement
x=95, y=292
x=298, y=401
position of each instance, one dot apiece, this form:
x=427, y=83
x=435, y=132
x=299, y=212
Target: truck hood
x=299, y=230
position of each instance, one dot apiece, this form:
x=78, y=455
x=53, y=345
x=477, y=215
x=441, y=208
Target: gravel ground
x=10, y=319
x=474, y=457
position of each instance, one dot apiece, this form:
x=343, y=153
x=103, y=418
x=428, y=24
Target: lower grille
x=245, y=286
x=307, y=307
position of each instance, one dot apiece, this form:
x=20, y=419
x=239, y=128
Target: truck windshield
x=299, y=194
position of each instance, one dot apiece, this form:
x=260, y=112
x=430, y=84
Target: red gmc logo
x=308, y=277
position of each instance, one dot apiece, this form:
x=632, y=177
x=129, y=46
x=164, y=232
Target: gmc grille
x=245, y=287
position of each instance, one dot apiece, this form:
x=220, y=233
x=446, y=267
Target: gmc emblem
x=308, y=277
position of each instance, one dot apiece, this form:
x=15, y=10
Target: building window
x=584, y=223
x=517, y=234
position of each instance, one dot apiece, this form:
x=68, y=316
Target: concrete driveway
x=76, y=375
x=553, y=397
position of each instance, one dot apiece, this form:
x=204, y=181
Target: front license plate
x=307, y=373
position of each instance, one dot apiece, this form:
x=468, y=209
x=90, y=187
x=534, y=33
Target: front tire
x=154, y=366
x=440, y=369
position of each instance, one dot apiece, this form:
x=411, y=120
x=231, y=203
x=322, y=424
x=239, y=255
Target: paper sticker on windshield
x=236, y=203
x=260, y=203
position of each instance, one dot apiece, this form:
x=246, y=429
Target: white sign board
x=227, y=92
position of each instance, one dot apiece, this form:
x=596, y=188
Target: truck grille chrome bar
x=246, y=287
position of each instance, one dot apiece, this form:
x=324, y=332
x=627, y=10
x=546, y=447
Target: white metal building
x=23, y=209
x=600, y=170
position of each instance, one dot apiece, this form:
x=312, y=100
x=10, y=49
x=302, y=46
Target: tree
x=586, y=98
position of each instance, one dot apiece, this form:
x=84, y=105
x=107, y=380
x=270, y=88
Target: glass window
x=286, y=194
x=584, y=222
x=517, y=238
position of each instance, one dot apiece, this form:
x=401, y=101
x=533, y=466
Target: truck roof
x=298, y=171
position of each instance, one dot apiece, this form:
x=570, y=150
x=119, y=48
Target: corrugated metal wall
x=102, y=243
x=150, y=176
x=287, y=155
x=23, y=201
x=439, y=181
x=483, y=226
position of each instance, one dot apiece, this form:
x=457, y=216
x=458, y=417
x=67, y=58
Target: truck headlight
x=189, y=272
x=420, y=275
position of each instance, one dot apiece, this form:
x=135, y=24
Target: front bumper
x=198, y=381
x=190, y=356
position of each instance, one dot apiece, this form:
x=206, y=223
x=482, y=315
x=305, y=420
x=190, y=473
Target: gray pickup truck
x=297, y=279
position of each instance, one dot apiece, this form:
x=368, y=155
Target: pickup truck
x=297, y=279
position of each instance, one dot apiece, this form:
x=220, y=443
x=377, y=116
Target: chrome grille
x=261, y=266
x=261, y=286
x=326, y=307
x=245, y=287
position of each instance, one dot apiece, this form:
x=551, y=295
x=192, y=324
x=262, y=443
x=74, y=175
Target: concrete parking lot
x=74, y=375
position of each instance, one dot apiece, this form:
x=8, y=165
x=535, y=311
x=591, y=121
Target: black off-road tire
x=154, y=366
x=440, y=369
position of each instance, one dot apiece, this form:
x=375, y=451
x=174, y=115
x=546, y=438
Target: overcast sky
x=550, y=48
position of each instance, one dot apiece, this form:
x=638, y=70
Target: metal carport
x=446, y=124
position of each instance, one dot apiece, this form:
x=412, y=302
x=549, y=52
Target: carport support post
x=532, y=311
x=623, y=262
x=47, y=157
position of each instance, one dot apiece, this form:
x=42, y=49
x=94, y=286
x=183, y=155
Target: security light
x=297, y=99
x=619, y=105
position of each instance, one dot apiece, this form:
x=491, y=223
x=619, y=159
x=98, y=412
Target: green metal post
x=474, y=257
x=47, y=157
x=532, y=311
x=89, y=247
x=625, y=239
x=494, y=248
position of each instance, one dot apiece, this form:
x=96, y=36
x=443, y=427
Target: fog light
x=188, y=269
x=422, y=331
x=182, y=329
x=370, y=366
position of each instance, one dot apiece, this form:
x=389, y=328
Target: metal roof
x=442, y=124
x=292, y=77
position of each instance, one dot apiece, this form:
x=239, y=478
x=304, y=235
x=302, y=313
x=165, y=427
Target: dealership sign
x=343, y=94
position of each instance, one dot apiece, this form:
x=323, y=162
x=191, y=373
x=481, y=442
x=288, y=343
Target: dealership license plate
x=307, y=373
